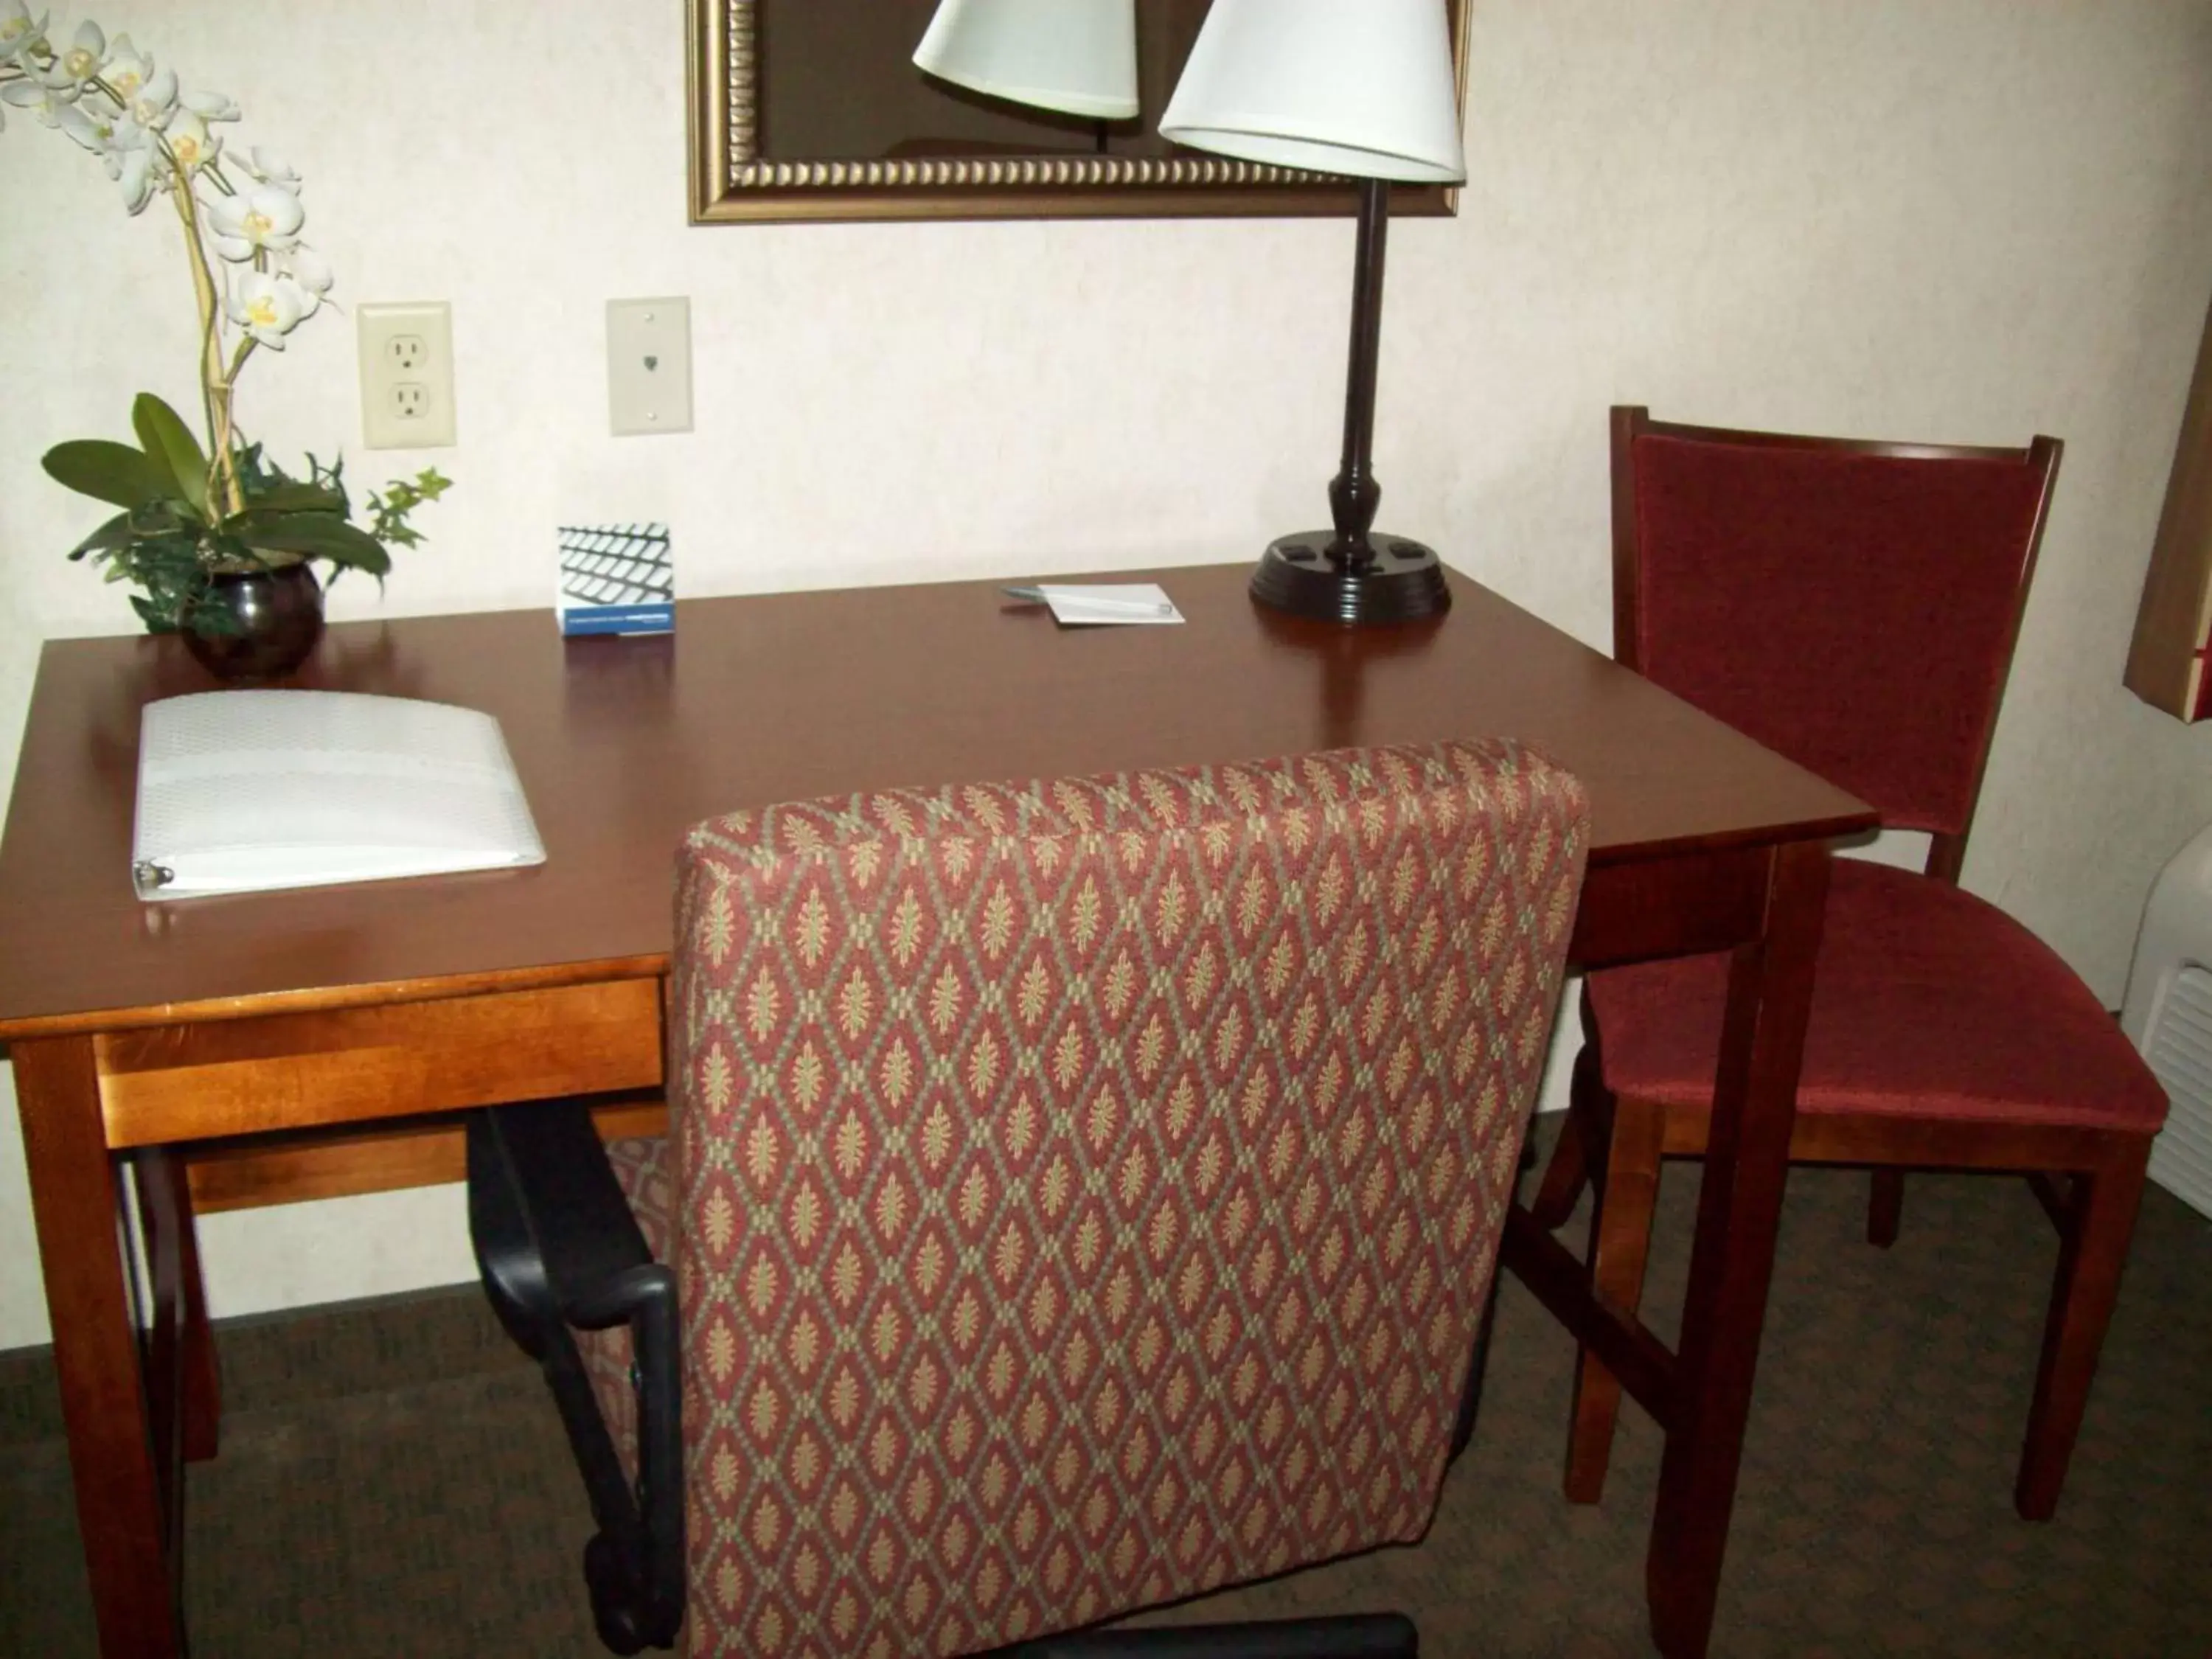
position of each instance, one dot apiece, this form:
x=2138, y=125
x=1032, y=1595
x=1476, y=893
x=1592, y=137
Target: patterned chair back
x=1086, y=1191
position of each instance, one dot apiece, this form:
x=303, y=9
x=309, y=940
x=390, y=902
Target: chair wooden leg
x=2056, y=1194
x=1619, y=1247
x=1578, y=1157
x=2092, y=1251
x=1885, y=1207
x=1565, y=1176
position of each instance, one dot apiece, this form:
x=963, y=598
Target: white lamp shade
x=1079, y=56
x=1364, y=87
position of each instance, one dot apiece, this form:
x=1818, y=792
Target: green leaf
x=160, y=519
x=115, y=533
x=212, y=622
x=319, y=536
x=157, y=619
x=290, y=497
x=108, y=471
x=172, y=562
x=254, y=473
x=168, y=442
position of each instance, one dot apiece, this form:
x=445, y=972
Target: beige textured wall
x=1966, y=220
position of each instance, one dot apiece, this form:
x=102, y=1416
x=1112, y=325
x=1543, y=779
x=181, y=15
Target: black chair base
x=559, y=1251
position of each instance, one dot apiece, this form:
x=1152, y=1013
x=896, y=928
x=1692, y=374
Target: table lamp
x=1365, y=90
x=1079, y=56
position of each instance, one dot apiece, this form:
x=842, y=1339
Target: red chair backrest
x=1851, y=605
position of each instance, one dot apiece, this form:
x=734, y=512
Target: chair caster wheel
x=614, y=1598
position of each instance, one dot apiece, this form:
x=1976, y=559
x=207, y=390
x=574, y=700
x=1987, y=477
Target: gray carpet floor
x=392, y=1480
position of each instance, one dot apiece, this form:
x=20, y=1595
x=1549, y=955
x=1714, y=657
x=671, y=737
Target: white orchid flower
x=312, y=274
x=128, y=70
x=42, y=100
x=156, y=102
x=108, y=136
x=87, y=54
x=267, y=165
x=143, y=171
x=191, y=142
x=268, y=308
x=211, y=105
x=50, y=75
x=95, y=131
x=264, y=216
x=18, y=33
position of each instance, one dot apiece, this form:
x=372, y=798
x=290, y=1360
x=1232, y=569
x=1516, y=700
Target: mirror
x=813, y=109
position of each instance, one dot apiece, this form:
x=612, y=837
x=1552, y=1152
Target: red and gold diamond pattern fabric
x=1089, y=1188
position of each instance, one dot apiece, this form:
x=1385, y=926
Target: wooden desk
x=141, y=1033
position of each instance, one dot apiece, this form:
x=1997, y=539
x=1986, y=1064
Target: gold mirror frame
x=731, y=183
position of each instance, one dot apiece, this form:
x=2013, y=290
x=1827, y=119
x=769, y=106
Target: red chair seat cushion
x=1929, y=1004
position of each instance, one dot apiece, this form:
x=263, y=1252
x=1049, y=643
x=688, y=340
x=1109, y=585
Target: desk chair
x=1080, y=1195
x=1854, y=605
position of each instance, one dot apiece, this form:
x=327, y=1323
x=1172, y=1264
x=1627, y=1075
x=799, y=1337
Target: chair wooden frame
x=2089, y=1180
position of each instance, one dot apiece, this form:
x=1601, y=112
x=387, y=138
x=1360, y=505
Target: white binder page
x=245, y=791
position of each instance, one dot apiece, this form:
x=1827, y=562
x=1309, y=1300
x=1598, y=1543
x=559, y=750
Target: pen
x=1095, y=601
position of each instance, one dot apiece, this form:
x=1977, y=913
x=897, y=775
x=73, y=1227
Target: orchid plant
x=192, y=511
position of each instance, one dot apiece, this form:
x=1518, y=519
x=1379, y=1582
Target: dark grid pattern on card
x=617, y=564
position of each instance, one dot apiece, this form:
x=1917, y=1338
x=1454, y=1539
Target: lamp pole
x=1344, y=576
x=1353, y=494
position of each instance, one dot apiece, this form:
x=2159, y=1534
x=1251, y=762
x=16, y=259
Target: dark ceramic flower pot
x=257, y=623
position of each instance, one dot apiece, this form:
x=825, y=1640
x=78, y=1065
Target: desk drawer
x=379, y=1157
x=345, y=1066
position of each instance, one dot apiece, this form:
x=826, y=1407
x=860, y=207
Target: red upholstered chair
x=1854, y=607
x=1079, y=1195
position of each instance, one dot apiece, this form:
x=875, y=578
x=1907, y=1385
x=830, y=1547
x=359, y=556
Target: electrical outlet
x=406, y=376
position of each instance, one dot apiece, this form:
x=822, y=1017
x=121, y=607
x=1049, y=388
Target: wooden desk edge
x=256, y=1004
x=1859, y=822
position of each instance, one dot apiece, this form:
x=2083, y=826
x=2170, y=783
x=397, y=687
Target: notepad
x=1104, y=604
x=248, y=791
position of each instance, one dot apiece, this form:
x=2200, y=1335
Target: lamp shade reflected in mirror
x=1077, y=56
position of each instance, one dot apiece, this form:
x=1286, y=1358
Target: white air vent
x=2180, y=1054
x=2168, y=1015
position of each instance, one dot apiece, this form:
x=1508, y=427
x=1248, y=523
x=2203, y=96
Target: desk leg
x=183, y=1380
x=73, y=1203
x=1732, y=1259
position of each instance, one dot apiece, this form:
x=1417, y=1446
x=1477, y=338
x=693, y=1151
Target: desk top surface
x=623, y=744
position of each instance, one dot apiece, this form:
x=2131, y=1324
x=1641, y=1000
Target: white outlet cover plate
x=648, y=366
x=406, y=364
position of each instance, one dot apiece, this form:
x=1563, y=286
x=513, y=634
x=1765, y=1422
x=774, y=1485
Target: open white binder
x=245, y=791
